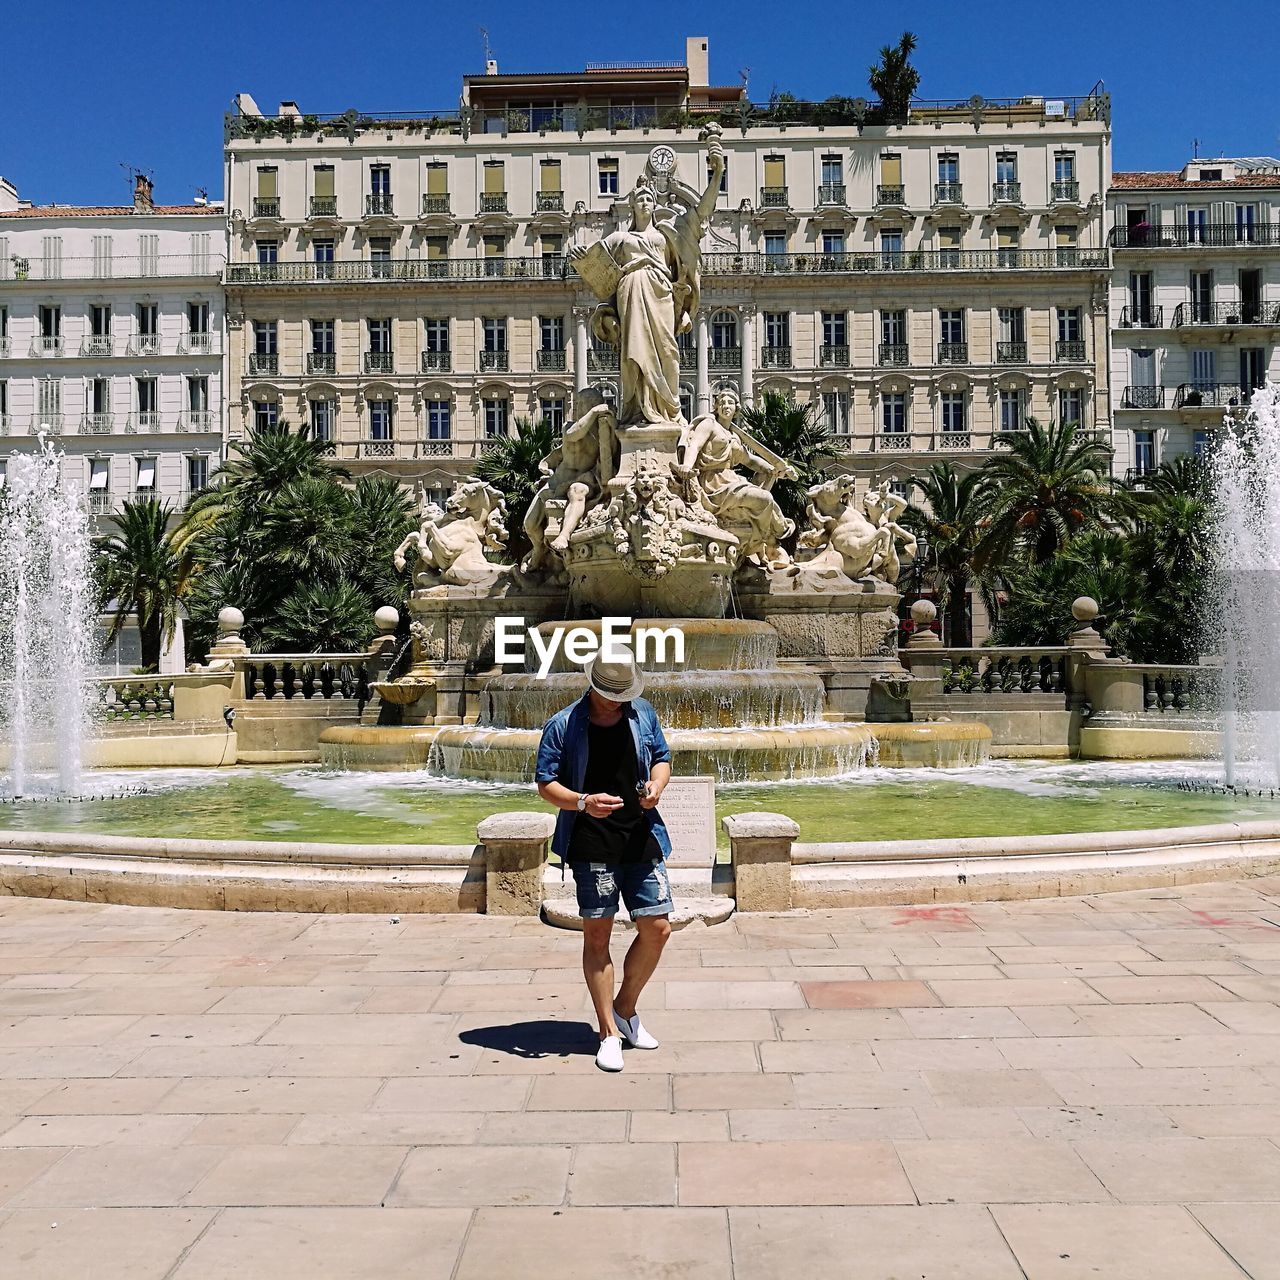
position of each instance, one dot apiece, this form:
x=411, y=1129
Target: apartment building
x=112, y=340
x=1195, y=302
x=400, y=283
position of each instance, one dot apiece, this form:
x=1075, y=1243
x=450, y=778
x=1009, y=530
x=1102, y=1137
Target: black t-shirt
x=611, y=768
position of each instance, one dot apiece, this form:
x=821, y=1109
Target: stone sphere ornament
x=387, y=619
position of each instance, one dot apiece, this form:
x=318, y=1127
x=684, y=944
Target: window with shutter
x=322, y=177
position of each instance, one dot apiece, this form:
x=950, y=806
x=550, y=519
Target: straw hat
x=617, y=681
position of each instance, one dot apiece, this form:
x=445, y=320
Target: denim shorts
x=643, y=886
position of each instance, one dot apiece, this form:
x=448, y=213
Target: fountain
x=47, y=625
x=644, y=515
x=1246, y=487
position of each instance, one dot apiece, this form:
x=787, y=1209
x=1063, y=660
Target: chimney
x=491, y=66
x=290, y=109
x=142, y=193
x=698, y=62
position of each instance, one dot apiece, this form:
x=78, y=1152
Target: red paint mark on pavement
x=1209, y=921
x=944, y=915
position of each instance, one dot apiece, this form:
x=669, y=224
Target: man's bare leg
x=597, y=968
x=642, y=959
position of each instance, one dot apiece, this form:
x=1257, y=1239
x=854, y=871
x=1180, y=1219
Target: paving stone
x=1247, y=1233
x=867, y=995
x=482, y=1175
x=453, y=1093
x=704, y=1093
x=854, y=1124
x=977, y=1171
x=117, y=1176
x=1186, y=1169
x=21, y=1166
x=299, y=1175
x=623, y=1174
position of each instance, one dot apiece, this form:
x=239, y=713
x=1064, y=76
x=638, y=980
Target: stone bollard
x=515, y=853
x=760, y=844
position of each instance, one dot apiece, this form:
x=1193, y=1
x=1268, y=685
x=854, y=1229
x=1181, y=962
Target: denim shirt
x=562, y=757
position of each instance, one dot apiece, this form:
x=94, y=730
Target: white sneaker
x=609, y=1058
x=633, y=1032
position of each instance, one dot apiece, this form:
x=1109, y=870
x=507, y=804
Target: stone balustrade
x=304, y=676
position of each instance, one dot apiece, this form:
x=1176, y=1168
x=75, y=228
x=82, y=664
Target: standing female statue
x=647, y=278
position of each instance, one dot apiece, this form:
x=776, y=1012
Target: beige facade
x=402, y=284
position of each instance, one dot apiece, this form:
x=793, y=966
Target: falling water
x=1246, y=591
x=47, y=625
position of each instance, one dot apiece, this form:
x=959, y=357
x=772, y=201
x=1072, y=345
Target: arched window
x=724, y=330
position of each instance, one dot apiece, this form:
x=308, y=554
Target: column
x=702, y=387
x=748, y=355
x=580, y=348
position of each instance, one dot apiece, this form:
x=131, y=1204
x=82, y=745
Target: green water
x=1003, y=798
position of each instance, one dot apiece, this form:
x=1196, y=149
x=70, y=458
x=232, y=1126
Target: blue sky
x=137, y=82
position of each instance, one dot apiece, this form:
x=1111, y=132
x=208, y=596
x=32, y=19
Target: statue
x=451, y=543
x=858, y=543
x=575, y=473
x=647, y=280
x=709, y=451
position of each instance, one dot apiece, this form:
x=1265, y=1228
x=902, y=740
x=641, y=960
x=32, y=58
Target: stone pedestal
x=760, y=844
x=515, y=852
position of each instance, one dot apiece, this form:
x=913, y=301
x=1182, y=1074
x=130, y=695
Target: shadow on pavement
x=543, y=1039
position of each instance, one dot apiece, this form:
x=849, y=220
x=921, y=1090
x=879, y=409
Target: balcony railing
x=436, y=362
x=97, y=424
x=379, y=205
x=953, y=353
x=51, y=422
x=889, y=196
x=435, y=449
x=1006, y=193
x=1147, y=317
x=1142, y=398
x=47, y=346
x=97, y=344
x=724, y=357
x=377, y=448
x=144, y=344
x=196, y=420
x=894, y=354
x=688, y=359
x=100, y=502
x=264, y=362
x=1066, y=190
x=602, y=359
x=1011, y=353
x=6, y=424
x=494, y=361
x=266, y=207
x=196, y=344
x=324, y=206
x=773, y=197
x=322, y=362
x=948, y=438
x=435, y=202
x=143, y=422
x=1210, y=235
x=4, y=345
x=123, y=267
x=379, y=362
x=833, y=356
x=831, y=193
x=552, y=361
x=948, y=193
x=493, y=202
x=1210, y=395
x=1226, y=313
x=775, y=358
x=550, y=202
x=1070, y=349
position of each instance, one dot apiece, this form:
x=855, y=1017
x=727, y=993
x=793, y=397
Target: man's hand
x=601, y=804
x=651, y=794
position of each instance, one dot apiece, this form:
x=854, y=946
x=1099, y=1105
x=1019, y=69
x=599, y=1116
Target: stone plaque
x=688, y=808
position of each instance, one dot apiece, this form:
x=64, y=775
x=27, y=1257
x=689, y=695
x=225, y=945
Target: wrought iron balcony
x=893, y=441
x=100, y=502
x=144, y=344
x=377, y=448
x=1066, y=190
x=889, y=196
x=1142, y=398
x=773, y=197
x=322, y=362
x=914, y=260
x=196, y=420
x=435, y=449
x=6, y=424
x=266, y=207
x=724, y=357
x=4, y=346
x=775, y=358
x=1210, y=395
x=1011, y=353
x=143, y=422
x=494, y=361
x=1070, y=349
x=1226, y=313
x=688, y=359
x=436, y=362
x=1145, y=317
x=196, y=344
x=97, y=344
x=47, y=346
x=435, y=202
x=948, y=193
x=97, y=424
x=264, y=362
x=1006, y=193
x=949, y=439
x=50, y=422
x=379, y=362
x=831, y=193
x=493, y=202
x=953, y=353
x=324, y=206
x=602, y=359
x=550, y=201
x=1222, y=235
x=833, y=356
x=552, y=361
x=894, y=354
x=379, y=205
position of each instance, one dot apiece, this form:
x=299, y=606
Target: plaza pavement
x=1055, y=1089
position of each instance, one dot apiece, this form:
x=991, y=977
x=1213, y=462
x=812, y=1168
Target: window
x=148, y=318
x=1197, y=225
x=1204, y=369
x=777, y=329
x=948, y=167
x=891, y=248
x=1069, y=329
x=1070, y=406
x=775, y=179
x=1200, y=445
x=379, y=337
x=1012, y=324
x=1253, y=368
x=495, y=418
x=1012, y=406
x=437, y=188
x=1066, y=236
x=435, y=336
x=49, y=397
x=607, y=176
x=724, y=176
x=552, y=410
x=322, y=250
x=148, y=395
x=951, y=325
x=197, y=472
x=1144, y=452
x=1210, y=175
x=1064, y=166
x=324, y=419
x=551, y=333
x=100, y=320
x=100, y=396
x=775, y=242
x=439, y=420
x=1006, y=167
x=833, y=242
x=266, y=415
x=832, y=171
x=198, y=318
x=267, y=188
x=380, y=420
x=268, y=252
x=954, y=416
x=1007, y=246
x=1201, y=288
x=99, y=475
x=323, y=192
x=835, y=408
x=949, y=246
x=437, y=255
x=549, y=177
x=264, y=337
x=1246, y=218
x=494, y=196
x=1140, y=310
x=198, y=393
x=322, y=337
x=380, y=180
x=552, y=248
x=686, y=404
x=144, y=473
x=50, y=322
x=724, y=329
x=893, y=328
x=891, y=174
x=893, y=413
x=380, y=256
x=495, y=333
x=835, y=329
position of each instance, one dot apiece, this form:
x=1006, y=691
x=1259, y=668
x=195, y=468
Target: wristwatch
x=582, y=804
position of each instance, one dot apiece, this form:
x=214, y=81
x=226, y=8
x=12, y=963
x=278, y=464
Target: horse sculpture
x=451, y=543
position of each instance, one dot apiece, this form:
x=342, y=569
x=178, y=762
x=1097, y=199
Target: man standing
x=604, y=763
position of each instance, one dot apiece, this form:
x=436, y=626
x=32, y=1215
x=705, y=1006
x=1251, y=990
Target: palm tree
x=950, y=520
x=305, y=531
x=320, y=617
x=510, y=464
x=894, y=80
x=798, y=433
x=381, y=515
x=139, y=569
x=1052, y=483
